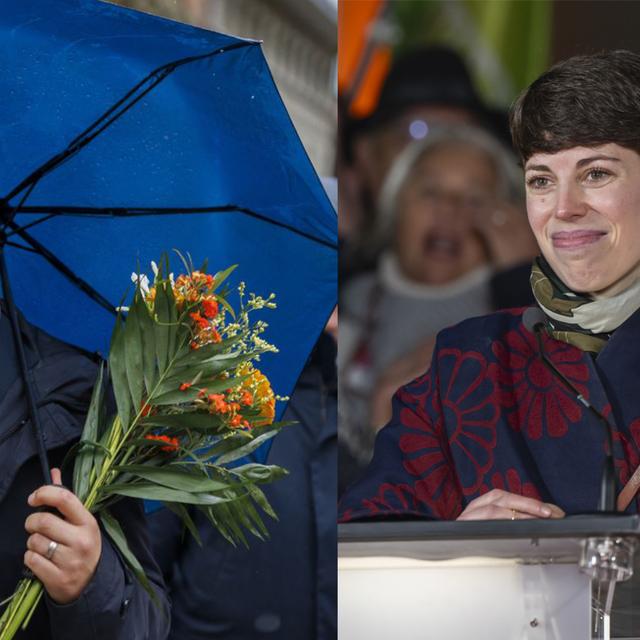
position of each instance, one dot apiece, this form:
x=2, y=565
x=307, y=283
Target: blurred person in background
x=426, y=86
x=460, y=246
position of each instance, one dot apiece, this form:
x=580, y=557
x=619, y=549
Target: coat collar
x=63, y=379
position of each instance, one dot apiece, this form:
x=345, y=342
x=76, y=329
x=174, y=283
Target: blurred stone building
x=300, y=44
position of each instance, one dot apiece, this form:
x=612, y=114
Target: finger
x=63, y=500
x=41, y=544
x=43, y=569
x=52, y=527
x=56, y=476
x=494, y=512
x=515, y=501
x=556, y=511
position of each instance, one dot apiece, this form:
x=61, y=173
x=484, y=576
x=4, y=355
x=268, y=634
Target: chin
x=584, y=283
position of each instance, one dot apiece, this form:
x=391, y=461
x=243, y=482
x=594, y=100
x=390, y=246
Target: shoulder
x=480, y=332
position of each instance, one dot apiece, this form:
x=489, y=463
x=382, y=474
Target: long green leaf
x=115, y=532
x=147, y=335
x=151, y=491
x=176, y=477
x=162, y=327
x=84, y=457
x=133, y=354
x=196, y=421
x=183, y=513
x=117, y=369
x=261, y=473
x=195, y=356
x=234, y=451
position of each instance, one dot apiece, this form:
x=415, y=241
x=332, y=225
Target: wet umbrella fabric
x=123, y=135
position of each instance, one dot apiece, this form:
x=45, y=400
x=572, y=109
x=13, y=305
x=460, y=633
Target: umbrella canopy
x=123, y=135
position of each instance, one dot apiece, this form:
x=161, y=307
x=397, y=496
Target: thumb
x=56, y=476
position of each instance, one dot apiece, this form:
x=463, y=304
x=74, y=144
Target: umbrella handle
x=24, y=369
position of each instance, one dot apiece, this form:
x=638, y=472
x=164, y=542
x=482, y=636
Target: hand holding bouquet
x=190, y=401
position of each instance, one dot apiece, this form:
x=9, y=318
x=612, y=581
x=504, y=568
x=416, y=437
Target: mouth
x=576, y=239
x=441, y=246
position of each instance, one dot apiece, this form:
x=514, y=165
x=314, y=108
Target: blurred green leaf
x=88, y=440
x=117, y=369
x=114, y=531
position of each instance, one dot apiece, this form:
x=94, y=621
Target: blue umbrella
x=123, y=135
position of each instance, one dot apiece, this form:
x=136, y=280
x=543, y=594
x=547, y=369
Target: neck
x=626, y=282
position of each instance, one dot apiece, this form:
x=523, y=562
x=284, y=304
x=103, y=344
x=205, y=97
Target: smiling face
x=583, y=205
x=436, y=240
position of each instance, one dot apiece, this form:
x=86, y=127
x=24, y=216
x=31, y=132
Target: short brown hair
x=584, y=101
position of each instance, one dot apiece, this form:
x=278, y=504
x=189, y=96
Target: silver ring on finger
x=514, y=514
x=51, y=549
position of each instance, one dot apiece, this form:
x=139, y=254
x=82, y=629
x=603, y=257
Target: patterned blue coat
x=488, y=414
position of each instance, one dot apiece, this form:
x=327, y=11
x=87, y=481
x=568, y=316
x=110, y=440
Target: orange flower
x=203, y=323
x=235, y=421
x=202, y=393
x=172, y=444
x=215, y=336
x=247, y=398
x=210, y=308
x=145, y=409
x=218, y=403
x=184, y=386
x=263, y=395
x=194, y=345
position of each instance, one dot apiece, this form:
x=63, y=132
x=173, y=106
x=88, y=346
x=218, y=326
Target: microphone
x=535, y=322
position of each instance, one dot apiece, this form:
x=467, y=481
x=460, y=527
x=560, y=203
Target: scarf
x=576, y=318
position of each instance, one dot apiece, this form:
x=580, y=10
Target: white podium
x=492, y=580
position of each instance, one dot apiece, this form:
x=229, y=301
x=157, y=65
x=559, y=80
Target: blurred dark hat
x=433, y=75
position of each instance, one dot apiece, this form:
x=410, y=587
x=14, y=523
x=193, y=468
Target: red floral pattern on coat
x=462, y=438
x=630, y=441
x=538, y=401
x=425, y=451
x=512, y=483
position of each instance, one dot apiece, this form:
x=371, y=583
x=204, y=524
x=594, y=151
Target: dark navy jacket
x=283, y=588
x=113, y=606
x=488, y=414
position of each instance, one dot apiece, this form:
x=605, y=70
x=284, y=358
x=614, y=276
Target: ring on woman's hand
x=513, y=514
x=51, y=549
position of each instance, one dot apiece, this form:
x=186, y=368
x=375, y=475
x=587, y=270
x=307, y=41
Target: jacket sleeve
x=411, y=474
x=114, y=606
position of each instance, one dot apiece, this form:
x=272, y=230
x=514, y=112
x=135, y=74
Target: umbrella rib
x=125, y=212
x=155, y=77
x=57, y=264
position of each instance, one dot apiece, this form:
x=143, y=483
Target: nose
x=570, y=203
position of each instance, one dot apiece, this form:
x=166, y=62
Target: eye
x=597, y=174
x=538, y=182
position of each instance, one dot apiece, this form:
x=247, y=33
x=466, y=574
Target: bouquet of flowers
x=190, y=400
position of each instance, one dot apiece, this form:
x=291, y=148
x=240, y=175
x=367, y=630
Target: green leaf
x=85, y=456
x=133, y=354
x=195, y=356
x=196, y=421
x=114, y=531
x=235, y=447
x=151, y=491
x=261, y=500
x=176, y=477
x=260, y=473
x=147, y=334
x=183, y=513
x=212, y=385
x=162, y=327
x=221, y=276
x=117, y=369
